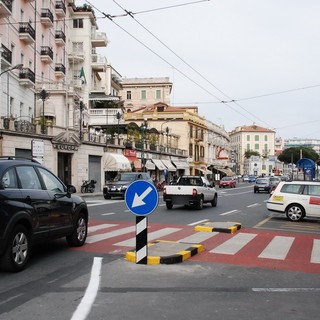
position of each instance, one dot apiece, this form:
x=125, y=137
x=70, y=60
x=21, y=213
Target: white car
x=297, y=199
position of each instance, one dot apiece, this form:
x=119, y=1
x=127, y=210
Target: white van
x=297, y=199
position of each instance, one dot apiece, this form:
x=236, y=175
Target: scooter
x=88, y=186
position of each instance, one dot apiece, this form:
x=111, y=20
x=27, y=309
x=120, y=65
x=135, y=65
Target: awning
x=204, y=171
x=102, y=97
x=136, y=162
x=169, y=165
x=159, y=164
x=150, y=165
x=181, y=164
x=116, y=162
x=226, y=171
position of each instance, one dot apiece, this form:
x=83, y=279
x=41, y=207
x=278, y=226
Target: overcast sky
x=264, y=55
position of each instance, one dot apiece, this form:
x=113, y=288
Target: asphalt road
x=95, y=281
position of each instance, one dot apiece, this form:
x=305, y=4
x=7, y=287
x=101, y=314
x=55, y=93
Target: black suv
x=121, y=182
x=35, y=206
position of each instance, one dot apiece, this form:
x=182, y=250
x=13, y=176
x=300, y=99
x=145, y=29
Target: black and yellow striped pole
x=141, y=240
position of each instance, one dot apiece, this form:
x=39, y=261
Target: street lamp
x=43, y=94
x=18, y=66
x=118, y=116
x=167, y=132
x=167, y=129
x=143, y=128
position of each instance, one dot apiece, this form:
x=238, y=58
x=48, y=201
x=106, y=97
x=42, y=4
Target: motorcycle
x=88, y=186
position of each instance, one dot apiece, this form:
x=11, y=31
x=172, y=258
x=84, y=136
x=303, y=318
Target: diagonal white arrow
x=138, y=200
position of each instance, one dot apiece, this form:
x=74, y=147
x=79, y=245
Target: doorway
x=64, y=167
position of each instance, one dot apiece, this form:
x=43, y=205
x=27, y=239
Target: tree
x=250, y=153
x=293, y=154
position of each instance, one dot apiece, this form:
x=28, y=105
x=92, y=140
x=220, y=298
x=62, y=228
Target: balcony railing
x=6, y=54
x=26, y=77
x=26, y=32
x=60, y=9
x=46, y=54
x=5, y=8
x=60, y=37
x=46, y=17
x=59, y=67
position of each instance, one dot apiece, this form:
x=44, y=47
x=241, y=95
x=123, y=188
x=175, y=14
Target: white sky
x=225, y=50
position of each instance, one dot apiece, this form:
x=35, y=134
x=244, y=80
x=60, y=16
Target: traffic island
x=167, y=252
x=226, y=227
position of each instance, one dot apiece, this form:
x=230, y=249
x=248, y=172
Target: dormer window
x=160, y=108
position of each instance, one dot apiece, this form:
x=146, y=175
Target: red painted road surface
x=247, y=247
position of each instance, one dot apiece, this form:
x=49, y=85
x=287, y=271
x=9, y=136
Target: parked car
x=262, y=185
x=119, y=185
x=296, y=199
x=252, y=179
x=245, y=178
x=35, y=206
x=229, y=182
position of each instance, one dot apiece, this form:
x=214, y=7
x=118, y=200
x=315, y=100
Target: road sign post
x=141, y=199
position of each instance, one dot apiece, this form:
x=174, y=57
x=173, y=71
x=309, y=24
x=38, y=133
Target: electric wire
x=235, y=101
x=178, y=70
x=198, y=73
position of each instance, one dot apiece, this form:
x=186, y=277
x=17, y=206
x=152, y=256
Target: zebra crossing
x=299, y=252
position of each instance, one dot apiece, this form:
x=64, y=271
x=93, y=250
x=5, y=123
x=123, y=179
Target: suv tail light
x=164, y=191
x=194, y=192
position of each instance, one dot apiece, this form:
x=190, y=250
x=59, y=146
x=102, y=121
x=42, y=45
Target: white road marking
x=89, y=297
x=151, y=236
x=253, y=205
x=101, y=226
x=278, y=248
x=108, y=214
x=199, y=237
x=93, y=203
x=108, y=235
x=197, y=222
x=233, y=245
x=315, y=254
x=228, y=212
x=285, y=289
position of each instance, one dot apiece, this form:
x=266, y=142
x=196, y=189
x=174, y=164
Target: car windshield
x=226, y=179
x=262, y=181
x=125, y=177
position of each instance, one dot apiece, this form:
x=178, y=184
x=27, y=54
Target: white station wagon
x=297, y=199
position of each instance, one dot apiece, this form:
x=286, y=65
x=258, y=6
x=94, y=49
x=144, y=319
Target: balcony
x=26, y=77
x=60, y=9
x=99, y=63
x=59, y=70
x=99, y=39
x=46, y=54
x=5, y=8
x=60, y=38
x=6, y=55
x=76, y=57
x=46, y=18
x=27, y=33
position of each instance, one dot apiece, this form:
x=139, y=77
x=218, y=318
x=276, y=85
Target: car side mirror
x=71, y=189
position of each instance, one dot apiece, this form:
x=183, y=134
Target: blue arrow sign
x=141, y=197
